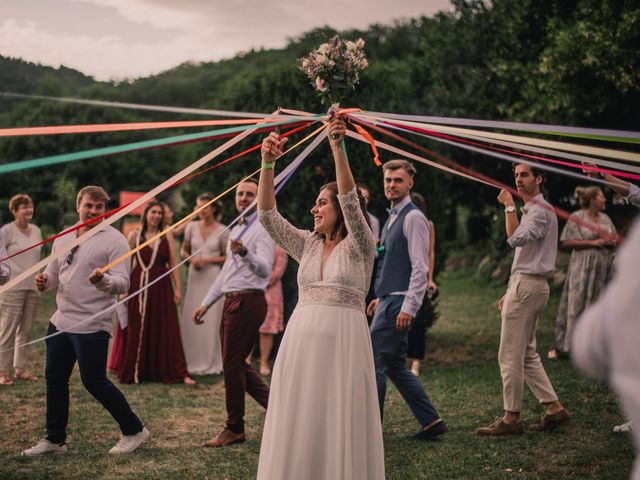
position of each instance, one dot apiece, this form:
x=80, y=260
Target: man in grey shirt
x=83, y=291
x=536, y=241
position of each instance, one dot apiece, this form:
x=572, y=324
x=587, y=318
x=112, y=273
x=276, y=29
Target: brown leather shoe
x=224, y=438
x=551, y=422
x=499, y=428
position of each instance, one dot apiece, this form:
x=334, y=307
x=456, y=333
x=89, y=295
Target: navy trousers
x=90, y=350
x=390, y=354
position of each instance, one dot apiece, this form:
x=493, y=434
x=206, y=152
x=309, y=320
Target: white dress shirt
x=5, y=269
x=416, y=231
x=250, y=272
x=535, y=239
x=77, y=298
x=607, y=335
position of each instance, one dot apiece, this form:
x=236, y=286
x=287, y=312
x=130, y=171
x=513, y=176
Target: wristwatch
x=243, y=252
x=509, y=209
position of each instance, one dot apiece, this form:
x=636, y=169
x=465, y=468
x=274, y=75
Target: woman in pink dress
x=274, y=321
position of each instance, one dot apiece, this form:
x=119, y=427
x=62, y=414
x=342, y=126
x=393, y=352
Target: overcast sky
x=117, y=39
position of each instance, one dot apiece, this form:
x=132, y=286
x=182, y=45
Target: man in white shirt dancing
x=82, y=292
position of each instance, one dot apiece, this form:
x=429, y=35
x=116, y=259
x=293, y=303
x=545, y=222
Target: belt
x=248, y=291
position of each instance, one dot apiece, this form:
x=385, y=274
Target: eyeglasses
x=71, y=254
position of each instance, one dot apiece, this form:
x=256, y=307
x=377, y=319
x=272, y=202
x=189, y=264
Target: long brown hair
x=148, y=207
x=340, y=227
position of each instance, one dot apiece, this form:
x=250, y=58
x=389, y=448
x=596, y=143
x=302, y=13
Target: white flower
x=360, y=43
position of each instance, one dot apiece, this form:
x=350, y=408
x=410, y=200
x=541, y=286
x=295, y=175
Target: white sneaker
x=624, y=428
x=128, y=443
x=45, y=446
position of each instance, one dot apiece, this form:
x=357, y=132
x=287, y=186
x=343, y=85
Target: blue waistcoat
x=394, y=264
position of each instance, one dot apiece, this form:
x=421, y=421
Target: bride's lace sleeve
x=290, y=238
x=359, y=231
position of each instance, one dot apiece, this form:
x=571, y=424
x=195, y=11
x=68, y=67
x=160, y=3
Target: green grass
x=461, y=375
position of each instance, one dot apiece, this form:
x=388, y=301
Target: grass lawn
x=461, y=375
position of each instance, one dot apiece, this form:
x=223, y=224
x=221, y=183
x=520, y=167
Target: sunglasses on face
x=71, y=254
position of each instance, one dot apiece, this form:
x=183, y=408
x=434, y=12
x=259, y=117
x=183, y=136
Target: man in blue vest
x=400, y=285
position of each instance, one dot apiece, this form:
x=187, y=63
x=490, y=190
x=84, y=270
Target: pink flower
x=324, y=48
x=360, y=43
x=350, y=46
x=321, y=59
x=363, y=64
x=320, y=85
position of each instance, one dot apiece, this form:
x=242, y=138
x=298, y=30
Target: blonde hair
x=94, y=192
x=397, y=164
x=586, y=194
x=18, y=200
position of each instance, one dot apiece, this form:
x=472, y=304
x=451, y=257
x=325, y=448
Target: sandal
x=26, y=376
x=5, y=380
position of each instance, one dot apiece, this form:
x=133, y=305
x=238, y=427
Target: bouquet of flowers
x=334, y=68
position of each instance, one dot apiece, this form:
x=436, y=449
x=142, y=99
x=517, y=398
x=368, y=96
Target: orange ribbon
x=370, y=139
x=117, y=127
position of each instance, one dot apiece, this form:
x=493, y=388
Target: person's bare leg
x=266, y=344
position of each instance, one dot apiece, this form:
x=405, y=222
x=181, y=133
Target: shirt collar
x=401, y=204
x=534, y=201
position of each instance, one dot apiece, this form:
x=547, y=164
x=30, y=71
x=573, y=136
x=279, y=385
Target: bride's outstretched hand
x=272, y=147
x=336, y=131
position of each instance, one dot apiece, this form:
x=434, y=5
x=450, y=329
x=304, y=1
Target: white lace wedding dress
x=323, y=419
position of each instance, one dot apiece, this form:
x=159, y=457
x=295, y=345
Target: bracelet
x=269, y=166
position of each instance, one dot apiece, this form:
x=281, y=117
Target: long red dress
x=150, y=349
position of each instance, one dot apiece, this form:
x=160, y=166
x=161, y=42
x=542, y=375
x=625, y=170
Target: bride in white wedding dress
x=323, y=418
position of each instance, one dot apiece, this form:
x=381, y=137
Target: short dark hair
x=249, y=180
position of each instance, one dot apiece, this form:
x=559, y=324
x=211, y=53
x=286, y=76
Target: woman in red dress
x=150, y=347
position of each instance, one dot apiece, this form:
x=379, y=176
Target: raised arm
x=335, y=133
x=357, y=226
x=272, y=149
x=283, y=233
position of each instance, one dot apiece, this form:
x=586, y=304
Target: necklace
x=142, y=302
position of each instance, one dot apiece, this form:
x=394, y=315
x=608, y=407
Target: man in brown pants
x=242, y=281
x=535, y=241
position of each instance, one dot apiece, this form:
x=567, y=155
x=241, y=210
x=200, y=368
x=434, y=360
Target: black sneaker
x=433, y=431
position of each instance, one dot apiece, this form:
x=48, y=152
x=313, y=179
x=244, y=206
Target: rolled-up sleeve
x=117, y=279
x=416, y=229
x=533, y=227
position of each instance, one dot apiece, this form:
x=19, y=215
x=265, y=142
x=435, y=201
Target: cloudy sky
x=117, y=39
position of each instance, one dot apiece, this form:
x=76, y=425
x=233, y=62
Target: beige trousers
x=526, y=298
x=17, y=312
